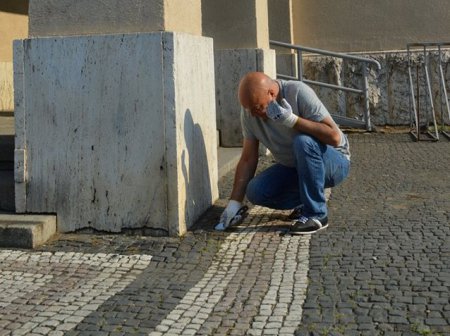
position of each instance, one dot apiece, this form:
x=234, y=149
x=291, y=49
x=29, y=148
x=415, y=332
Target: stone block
x=124, y=130
x=6, y=87
x=26, y=231
x=88, y=17
x=231, y=65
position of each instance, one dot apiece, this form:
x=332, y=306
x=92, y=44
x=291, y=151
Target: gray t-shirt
x=277, y=137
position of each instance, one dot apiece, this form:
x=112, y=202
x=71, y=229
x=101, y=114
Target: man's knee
x=254, y=193
x=305, y=143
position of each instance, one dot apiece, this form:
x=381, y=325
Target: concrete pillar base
x=123, y=131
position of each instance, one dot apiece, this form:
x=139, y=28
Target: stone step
x=227, y=159
x=26, y=231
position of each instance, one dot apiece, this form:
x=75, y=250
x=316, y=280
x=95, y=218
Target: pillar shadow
x=14, y=6
x=195, y=168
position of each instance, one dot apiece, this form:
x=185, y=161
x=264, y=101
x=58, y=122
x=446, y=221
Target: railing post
x=366, y=96
x=300, y=65
x=430, y=94
x=443, y=94
x=412, y=100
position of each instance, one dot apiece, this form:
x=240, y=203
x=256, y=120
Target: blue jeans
x=317, y=166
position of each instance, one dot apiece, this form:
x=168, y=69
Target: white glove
x=231, y=215
x=282, y=113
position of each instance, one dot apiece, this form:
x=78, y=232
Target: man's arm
x=326, y=131
x=245, y=169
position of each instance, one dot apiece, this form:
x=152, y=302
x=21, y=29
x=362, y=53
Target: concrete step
x=26, y=231
x=227, y=159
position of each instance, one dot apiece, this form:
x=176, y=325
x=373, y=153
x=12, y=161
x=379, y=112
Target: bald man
x=310, y=151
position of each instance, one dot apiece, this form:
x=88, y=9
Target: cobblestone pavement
x=381, y=268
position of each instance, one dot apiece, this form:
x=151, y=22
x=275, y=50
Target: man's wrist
x=234, y=206
x=232, y=202
x=290, y=121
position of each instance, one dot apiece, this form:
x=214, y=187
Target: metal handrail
x=364, y=91
x=427, y=44
x=326, y=52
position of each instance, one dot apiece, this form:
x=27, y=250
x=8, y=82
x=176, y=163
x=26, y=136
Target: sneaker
x=296, y=213
x=304, y=225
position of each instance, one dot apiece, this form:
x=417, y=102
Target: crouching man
x=310, y=151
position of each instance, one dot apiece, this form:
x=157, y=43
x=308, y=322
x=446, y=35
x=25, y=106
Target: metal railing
x=364, y=91
x=414, y=100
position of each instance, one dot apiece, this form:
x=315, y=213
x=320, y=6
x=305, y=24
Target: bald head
x=252, y=86
x=256, y=90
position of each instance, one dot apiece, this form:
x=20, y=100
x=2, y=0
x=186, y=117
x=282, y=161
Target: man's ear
x=272, y=94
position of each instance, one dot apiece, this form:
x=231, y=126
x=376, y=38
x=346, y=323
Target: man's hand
x=282, y=113
x=233, y=213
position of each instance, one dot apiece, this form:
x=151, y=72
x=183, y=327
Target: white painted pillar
x=281, y=29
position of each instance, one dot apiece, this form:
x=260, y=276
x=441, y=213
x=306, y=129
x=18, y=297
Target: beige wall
x=280, y=20
x=236, y=23
x=369, y=25
x=6, y=87
x=87, y=17
x=13, y=25
x=183, y=16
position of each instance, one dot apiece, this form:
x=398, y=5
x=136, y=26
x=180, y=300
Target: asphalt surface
x=382, y=267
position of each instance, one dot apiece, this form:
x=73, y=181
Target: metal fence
x=415, y=104
x=364, y=91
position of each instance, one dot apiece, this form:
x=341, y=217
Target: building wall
x=236, y=23
x=13, y=25
x=89, y=17
x=369, y=25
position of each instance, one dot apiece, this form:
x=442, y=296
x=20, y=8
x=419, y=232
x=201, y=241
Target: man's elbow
x=335, y=139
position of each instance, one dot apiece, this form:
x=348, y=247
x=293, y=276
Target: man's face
x=257, y=105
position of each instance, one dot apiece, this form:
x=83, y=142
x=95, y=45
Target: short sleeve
x=310, y=106
x=246, y=129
